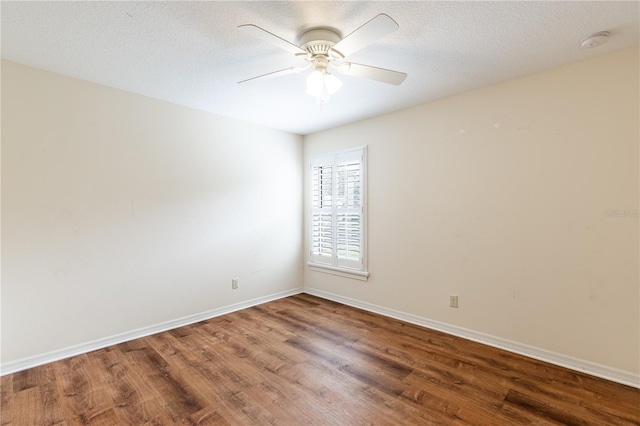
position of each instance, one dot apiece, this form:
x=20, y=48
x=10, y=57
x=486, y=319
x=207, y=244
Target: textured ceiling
x=191, y=53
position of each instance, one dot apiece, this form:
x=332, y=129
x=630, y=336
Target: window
x=338, y=213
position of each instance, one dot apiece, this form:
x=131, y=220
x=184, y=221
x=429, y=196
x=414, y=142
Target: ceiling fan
x=324, y=48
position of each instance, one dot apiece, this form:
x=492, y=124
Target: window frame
x=334, y=264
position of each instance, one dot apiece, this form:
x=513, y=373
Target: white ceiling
x=191, y=53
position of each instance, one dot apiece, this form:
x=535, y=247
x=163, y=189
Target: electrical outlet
x=234, y=283
x=453, y=301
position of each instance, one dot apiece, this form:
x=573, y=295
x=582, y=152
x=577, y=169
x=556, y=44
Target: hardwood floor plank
x=332, y=398
x=25, y=380
x=135, y=402
x=220, y=408
x=173, y=350
x=140, y=354
x=543, y=410
x=28, y=407
x=7, y=396
x=534, y=397
x=178, y=397
x=51, y=407
x=470, y=404
x=224, y=373
x=81, y=392
x=305, y=360
x=207, y=416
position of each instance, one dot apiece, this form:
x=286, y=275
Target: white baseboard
x=34, y=361
x=598, y=370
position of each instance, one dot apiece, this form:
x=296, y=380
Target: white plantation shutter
x=322, y=221
x=348, y=210
x=338, y=212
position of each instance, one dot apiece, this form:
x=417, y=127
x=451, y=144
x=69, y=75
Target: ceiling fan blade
x=372, y=73
x=368, y=33
x=265, y=35
x=274, y=74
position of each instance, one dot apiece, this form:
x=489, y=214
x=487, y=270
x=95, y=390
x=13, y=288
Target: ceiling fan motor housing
x=319, y=41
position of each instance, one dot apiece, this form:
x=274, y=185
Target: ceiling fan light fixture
x=322, y=84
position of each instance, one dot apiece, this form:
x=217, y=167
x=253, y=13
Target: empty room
x=320, y=213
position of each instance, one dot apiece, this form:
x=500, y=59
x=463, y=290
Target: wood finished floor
x=304, y=360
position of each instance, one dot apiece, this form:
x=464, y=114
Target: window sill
x=343, y=272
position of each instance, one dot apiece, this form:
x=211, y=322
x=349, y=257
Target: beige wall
x=121, y=212
x=500, y=196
